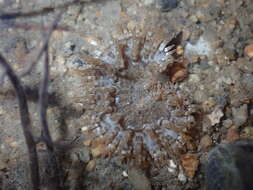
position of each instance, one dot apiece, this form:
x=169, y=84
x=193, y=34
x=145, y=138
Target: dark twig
x=25, y=122
x=44, y=45
x=43, y=11
x=43, y=102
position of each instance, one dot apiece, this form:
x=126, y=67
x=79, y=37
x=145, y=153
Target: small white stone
x=148, y=2
x=171, y=170
x=124, y=173
x=84, y=129
x=215, y=116
x=172, y=166
x=194, y=78
x=181, y=177
x=93, y=42
x=117, y=100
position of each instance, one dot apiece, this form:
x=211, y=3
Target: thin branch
x=46, y=39
x=25, y=122
x=43, y=96
x=43, y=11
x=43, y=103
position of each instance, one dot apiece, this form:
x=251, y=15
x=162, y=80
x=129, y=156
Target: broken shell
x=190, y=164
x=179, y=75
x=178, y=71
x=215, y=116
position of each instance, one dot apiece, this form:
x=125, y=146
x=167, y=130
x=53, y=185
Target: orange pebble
x=249, y=50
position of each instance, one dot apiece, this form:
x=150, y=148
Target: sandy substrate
x=137, y=96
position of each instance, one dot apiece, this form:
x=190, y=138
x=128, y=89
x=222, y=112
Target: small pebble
x=167, y=5
x=247, y=132
x=240, y=115
x=186, y=34
x=205, y=142
x=227, y=123
x=84, y=154
x=90, y=166
x=74, y=157
x=84, y=129
x=215, y=116
x=249, y=50
x=180, y=50
x=92, y=40
x=68, y=48
x=181, y=177
x=244, y=65
x=87, y=142
x=172, y=166
x=208, y=104
x=124, y=173
x=193, y=78
x=232, y=134
x=98, y=151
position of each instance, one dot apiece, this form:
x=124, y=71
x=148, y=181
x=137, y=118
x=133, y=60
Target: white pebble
x=181, y=177
x=85, y=128
x=124, y=173
x=172, y=166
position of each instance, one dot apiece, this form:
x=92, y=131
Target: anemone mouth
x=137, y=101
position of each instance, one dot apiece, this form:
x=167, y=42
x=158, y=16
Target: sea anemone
x=132, y=108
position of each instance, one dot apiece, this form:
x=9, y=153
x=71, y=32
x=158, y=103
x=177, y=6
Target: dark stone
x=167, y=5
x=230, y=166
